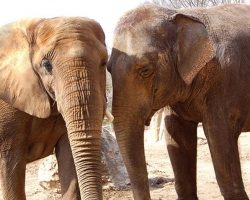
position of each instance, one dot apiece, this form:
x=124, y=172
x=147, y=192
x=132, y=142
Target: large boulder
x=114, y=173
x=113, y=160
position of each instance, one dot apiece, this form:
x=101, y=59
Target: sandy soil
x=160, y=174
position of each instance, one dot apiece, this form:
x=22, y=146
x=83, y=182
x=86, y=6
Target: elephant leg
x=181, y=139
x=13, y=177
x=13, y=163
x=222, y=140
x=66, y=168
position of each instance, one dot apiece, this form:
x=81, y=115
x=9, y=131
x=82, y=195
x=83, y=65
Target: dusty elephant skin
x=52, y=90
x=197, y=61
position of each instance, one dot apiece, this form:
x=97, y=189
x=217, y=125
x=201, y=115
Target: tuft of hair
x=144, y=13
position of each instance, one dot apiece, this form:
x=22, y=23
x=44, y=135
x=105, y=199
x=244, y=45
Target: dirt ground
x=160, y=174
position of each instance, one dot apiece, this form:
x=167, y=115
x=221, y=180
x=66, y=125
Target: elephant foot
x=238, y=196
x=188, y=198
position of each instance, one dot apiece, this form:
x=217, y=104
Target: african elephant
x=197, y=62
x=52, y=91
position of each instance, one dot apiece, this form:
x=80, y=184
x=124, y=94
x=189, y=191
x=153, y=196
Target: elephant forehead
x=134, y=45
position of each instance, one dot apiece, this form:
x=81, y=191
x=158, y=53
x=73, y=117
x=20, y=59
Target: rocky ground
x=160, y=174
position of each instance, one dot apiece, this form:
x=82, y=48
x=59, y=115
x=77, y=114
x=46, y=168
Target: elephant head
x=60, y=61
x=157, y=54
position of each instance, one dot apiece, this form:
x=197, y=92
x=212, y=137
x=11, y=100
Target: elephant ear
x=19, y=84
x=193, y=46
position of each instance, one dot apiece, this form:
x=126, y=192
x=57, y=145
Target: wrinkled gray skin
x=197, y=61
x=52, y=69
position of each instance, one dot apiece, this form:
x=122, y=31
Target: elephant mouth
x=148, y=120
x=51, y=93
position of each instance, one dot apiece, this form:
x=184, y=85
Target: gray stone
x=114, y=173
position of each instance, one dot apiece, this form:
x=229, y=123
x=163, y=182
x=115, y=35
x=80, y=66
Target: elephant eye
x=47, y=65
x=146, y=71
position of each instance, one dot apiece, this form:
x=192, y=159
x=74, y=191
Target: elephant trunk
x=130, y=136
x=81, y=105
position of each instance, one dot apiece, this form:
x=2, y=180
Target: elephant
x=197, y=62
x=52, y=94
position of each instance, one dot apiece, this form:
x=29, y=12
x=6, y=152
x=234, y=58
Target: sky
x=106, y=12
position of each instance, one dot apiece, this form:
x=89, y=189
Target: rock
x=159, y=181
x=48, y=174
x=114, y=173
x=113, y=160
